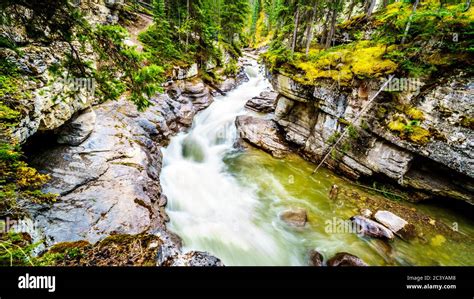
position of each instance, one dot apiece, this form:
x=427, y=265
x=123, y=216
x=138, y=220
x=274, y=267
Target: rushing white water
x=208, y=208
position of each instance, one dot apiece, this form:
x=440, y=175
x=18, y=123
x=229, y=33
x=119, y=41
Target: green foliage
x=160, y=45
x=353, y=133
x=439, y=38
x=114, y=33
x=333, y=138
x=277, y=56
x=119, y=65
x=146, y=83
x=8, y=68
x=16, y=249
x=8, y=116
x=185, y=34
x=233, y=18
x=231, y=69
x=6, y=42
x=143, y=81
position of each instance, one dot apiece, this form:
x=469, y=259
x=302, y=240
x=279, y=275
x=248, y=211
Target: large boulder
x=229, y=83
x=262, y=133
x=371, y=228
x=342, y=259
x=396, y=224
x=194, y=259
x=388, y=159
x=264, y=103
x=315, y=258
x=295, y=217
x=292, y=89
x=75, y=131
x=194, y=91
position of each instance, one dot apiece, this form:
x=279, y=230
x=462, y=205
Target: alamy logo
x=403, y=84
x=81, y=87
x=339, y=226
x=37, y=282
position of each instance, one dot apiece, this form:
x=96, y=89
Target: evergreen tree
x=234, y=15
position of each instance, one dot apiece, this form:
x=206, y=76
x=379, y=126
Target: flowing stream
x=226, y=201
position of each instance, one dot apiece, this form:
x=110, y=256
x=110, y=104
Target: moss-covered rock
x=116, y=250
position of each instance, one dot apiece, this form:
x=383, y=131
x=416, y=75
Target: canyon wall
x=420, y=139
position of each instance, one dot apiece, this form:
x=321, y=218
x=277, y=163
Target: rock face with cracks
x=108, y=184
x=262, y=133
x=434, y=160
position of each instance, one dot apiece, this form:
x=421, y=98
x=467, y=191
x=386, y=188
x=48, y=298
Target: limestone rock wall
x=51, y=96
x=313, y=117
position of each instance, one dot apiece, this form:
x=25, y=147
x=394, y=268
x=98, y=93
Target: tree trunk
x=309, y=35
x=295, y=30
x=333, y=27
x=371, y=7
x=187, y=24
x=366, y=6
x=468, y=5
x=351, y=9
x=407, y=28
x=325, y=28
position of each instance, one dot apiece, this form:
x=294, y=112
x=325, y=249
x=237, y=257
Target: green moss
x=397, y=126
x=353, y=132
x=467, y=122
x=362, y=59
x=8, y=116
x=381, y=112
x=409, y=130
x=419, y=135
x=415, y=114
x=67, y=246
x=61, y=252
x=115, y=250
x=8, y=85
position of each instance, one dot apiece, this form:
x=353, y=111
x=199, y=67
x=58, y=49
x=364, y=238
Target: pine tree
x=234, y=15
